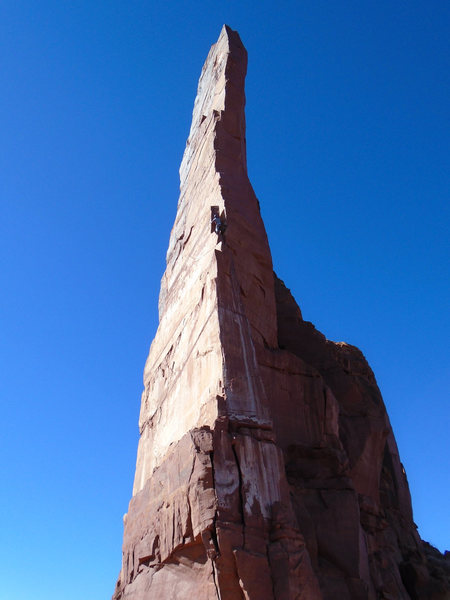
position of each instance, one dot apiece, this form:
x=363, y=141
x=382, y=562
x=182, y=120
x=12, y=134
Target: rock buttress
x=266, y=468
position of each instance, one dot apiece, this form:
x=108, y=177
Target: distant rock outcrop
x=267, y=468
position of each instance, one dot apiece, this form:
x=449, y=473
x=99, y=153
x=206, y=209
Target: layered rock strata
x=267, y=468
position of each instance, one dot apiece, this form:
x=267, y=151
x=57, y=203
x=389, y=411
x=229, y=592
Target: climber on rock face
x=218, y=223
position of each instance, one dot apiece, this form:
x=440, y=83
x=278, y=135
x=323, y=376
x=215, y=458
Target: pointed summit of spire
x=220, y=90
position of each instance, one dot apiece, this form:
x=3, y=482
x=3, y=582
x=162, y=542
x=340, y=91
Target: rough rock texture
x=267, y=468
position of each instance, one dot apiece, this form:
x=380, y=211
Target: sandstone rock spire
x=266, y=468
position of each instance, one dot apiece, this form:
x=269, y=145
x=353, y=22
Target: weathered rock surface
x=267, y=468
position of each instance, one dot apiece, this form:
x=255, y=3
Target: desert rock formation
x=267, y=468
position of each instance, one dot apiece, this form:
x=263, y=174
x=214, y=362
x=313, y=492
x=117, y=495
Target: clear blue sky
x=348, y=152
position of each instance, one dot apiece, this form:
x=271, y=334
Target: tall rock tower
x=266, y=468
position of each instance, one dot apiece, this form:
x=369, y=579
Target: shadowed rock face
x=267, y=468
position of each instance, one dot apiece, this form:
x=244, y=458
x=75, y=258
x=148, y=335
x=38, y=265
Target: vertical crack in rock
x=267, y=468
x=213, y=528
x=240, y=492
x=215, y=580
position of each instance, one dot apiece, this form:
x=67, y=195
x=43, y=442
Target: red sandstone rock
x=267, y=468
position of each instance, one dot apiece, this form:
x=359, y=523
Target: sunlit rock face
x=267, y=468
